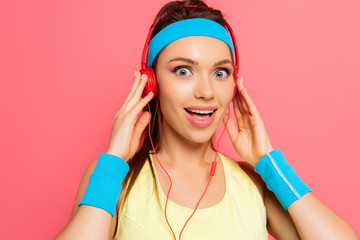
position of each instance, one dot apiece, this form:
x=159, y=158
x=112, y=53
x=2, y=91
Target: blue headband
x=186, y=28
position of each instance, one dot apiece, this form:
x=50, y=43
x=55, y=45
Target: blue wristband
x=105, y=183
x=281, y=178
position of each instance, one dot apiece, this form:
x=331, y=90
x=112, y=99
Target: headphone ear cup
x=151, y=85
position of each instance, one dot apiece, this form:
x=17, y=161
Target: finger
x=237, y=99
x=241, y=88
x=231, y=128
x=135, y=84
x=239, y=116
x=243, y=103
x=142, y=103
x=136, y=81
x=250, y=104
x=239, y=84
x=140, y=89
x=237, y=109
x=140, y=125
x=134, y=99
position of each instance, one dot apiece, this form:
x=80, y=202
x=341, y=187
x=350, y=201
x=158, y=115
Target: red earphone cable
x=212, y=172
x=167, y=197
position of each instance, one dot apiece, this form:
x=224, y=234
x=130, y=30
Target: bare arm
x=88, y=222
x=314, y=220
x=280, y=225
x=306, y=218
x=279, y=222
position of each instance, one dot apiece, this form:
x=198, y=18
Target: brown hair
x=142, y=155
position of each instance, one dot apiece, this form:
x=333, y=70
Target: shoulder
x=248, y=169
x=254, y=176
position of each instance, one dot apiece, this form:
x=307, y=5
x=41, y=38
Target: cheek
x=174, y=91
x=171, y=100
x=226, y=93
x=169, y=94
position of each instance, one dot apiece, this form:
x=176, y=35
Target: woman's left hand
x=249, y=138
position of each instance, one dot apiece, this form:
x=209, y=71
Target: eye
x=222, y=73
x=182, y=71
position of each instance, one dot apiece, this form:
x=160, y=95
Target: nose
x=203, y=88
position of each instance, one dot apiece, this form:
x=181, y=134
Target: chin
x=199, y=139
x=201, y=135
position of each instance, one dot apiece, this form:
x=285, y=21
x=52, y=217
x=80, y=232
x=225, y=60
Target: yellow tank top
x=241, y=213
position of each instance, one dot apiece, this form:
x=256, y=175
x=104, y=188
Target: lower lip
x=200, y=122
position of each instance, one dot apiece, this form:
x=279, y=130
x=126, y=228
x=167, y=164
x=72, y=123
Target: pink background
x=67, y=66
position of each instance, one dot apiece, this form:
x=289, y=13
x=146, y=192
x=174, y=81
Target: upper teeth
x=201, y=111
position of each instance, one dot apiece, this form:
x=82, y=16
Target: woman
x=196, y=81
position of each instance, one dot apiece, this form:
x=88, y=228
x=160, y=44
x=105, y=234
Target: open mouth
x=202, y=117
x=200, y=113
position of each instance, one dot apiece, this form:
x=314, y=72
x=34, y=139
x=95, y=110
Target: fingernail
x=142, y=76
x=241, y=79
x=135, y=74
x=150, y=93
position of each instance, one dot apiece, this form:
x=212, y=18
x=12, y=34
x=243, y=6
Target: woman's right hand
x=127, y=126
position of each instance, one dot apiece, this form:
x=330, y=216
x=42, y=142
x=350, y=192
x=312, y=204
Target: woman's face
x=196, y=85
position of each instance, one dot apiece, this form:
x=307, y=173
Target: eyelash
x=228, y=71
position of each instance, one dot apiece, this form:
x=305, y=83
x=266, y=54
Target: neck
x=176, y=151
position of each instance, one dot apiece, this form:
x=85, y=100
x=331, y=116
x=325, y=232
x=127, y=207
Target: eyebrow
x=190, y=61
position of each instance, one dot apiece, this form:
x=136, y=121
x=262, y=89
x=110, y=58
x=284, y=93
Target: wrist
x=281, y=178
x=105, y=183
x=117, y=154
x=261, y=155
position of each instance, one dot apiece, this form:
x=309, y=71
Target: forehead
x=201, y=48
